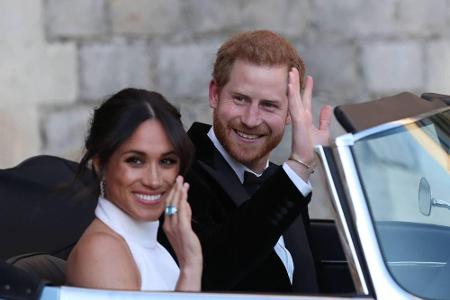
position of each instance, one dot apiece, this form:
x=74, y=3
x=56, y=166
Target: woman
x=138, y=148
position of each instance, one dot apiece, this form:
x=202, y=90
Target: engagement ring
x=171, y=210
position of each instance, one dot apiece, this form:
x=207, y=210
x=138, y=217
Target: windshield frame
x=350, y=139
x=406, y=126
x=384, y=285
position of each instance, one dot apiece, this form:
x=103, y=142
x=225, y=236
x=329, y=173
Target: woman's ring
x=171, y=210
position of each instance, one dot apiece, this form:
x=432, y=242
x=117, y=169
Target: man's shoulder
x=198, y=129
x=204, y=148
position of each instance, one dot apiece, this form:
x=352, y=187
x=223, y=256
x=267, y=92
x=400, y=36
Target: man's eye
x=269, y=105
x=239, y=99
x=134, y=160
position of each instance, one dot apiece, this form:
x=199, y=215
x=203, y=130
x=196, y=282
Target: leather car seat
x=44, y=210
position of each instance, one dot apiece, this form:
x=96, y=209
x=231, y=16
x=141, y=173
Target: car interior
x=45, y=207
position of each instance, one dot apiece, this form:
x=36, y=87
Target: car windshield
x=405, y=173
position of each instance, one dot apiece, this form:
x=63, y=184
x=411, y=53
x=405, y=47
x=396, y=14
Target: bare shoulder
x=102, y=259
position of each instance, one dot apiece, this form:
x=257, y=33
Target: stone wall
x=59, y=58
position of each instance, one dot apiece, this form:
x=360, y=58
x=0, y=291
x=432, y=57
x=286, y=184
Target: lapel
x=296, y=241
x=210, y=160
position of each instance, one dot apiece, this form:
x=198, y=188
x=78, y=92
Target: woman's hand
x=304, y=134
x=184, y=241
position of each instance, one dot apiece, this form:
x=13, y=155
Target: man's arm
x=304, y=134
x=235, y=243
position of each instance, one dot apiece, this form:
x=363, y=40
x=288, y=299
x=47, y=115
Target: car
x=390, y=184
x=389, y=181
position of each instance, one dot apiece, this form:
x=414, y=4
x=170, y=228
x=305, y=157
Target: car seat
x=44, y=210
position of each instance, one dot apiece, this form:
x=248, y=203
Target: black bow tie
x=252, y=182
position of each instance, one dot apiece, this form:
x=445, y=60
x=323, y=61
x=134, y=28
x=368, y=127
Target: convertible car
x=389, y=180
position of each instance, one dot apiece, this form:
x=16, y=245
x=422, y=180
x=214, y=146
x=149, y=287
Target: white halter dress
x=157, y=268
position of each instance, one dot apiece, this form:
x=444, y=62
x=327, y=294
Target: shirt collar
x=237, y=167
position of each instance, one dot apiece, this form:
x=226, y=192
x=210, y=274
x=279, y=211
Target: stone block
x=319, y=100
x=194, y=110
x=156, y=17
x=422, y=17
x=109, y=67
x=381, y=17
x=64, y=131
x=38, y=74
x=59, y=64
x=75, y=19
x=19, y=133
x=185, y=70
x=210, y=16
x=354, y=18
x=21, y=23
x=320, y=206
x=438, y=67
x=288, y=17
x=391, y=67
x=334, y=67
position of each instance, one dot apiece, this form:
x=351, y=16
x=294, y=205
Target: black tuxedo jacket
x=238, y=233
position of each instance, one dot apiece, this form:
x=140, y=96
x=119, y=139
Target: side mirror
x=426, y=201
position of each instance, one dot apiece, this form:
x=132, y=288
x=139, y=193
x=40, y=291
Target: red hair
x=261, y=47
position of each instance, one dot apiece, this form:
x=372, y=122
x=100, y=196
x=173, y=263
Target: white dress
x=157, y=268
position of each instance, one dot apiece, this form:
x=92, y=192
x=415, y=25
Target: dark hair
x=116, y=119
x=260, y=47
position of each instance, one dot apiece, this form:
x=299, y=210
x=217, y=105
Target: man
x=255, y=240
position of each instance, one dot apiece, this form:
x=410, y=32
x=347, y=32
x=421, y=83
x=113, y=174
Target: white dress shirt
x=304, y=188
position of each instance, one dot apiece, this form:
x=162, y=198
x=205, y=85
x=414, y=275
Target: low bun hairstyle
x=116, y=119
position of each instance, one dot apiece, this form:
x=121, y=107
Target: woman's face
x=141, y=172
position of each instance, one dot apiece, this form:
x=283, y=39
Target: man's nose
x=251, y=116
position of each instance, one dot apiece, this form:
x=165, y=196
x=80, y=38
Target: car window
x=405, y=173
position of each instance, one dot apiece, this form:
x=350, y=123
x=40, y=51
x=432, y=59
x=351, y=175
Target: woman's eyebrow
x=134, y=152
x=137, y=152
x=170, y=153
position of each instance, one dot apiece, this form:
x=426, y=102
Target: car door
x=391, y=185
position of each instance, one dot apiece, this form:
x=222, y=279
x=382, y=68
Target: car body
x=397, y=234
x=389, y=180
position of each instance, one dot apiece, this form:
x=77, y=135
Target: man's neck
x=257, y=167
x=237, y=166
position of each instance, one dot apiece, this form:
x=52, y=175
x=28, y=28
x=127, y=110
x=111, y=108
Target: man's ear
x=213, y=94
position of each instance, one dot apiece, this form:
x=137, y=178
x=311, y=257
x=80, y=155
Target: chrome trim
x=333, y=262
x=349, y=139
x=345, y=140
x=427, y=264
x=73, y=293
x=50, y=293
x=384, y=285
x=343, y=229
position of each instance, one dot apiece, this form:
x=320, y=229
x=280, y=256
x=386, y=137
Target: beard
x=246, y=154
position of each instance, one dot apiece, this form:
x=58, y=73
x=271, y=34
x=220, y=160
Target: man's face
x=251, y=111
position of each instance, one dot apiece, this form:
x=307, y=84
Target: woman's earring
x=102, y=188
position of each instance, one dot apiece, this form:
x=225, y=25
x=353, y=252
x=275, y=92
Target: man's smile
x=247, y=136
